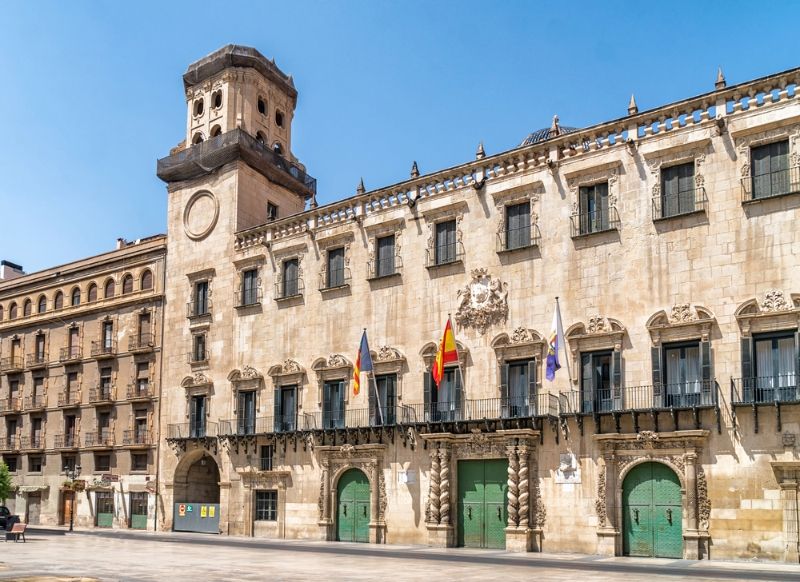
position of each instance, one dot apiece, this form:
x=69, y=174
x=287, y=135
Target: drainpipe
x=160, y=391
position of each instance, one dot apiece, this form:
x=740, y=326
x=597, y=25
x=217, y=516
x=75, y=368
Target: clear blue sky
x=93, y=95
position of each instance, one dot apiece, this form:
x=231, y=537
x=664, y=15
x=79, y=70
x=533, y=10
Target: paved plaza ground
x=123, y=556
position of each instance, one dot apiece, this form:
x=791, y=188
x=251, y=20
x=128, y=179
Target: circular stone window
x=200, y=215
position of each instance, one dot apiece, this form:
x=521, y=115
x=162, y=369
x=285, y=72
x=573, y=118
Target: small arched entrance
x=652, y=512
x=353, y=507
x=196, y=488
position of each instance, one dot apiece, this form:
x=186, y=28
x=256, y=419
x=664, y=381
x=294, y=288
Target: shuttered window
x=335, y=268
x=594, y=208
x=290, y=275
x=677, y=190
x=770, y=169
x=518, y=226
x=385, y=250
x=446, y=242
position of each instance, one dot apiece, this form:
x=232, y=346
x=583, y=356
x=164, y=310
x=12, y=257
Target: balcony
x=32, y=443
x=765, y=390
x=37, y=361
x=66, y=441
x=333, y=280
x=441, y=256
x=10, y=405
x=289, y=289
x=247, y=298
x=104, y=349
x=137, y=438
x=514, y=239
x=10, y=443
x=494, y=409
x=196, y=357
x=35, y=402
x=204, y=158
x=141, y=343
x=103, y=439
x=70, y=354
x=139, y=391
x=381, y=269
x=259, y=425
x=681, y=204
x=594, y=222
x=11, y=364
x=102, y=394
x=198, y=309
x=686, y=395
x=69, y=398
x=770, y=185
x=190, y=430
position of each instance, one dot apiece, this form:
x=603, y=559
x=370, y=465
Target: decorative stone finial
x=414, y=170
x=361, y=189
x=720, y=82
x=633, y=109
x=555, y=129
x=479, y=153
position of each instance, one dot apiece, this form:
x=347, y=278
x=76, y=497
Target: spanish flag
x=447, y=353
x=363, y=363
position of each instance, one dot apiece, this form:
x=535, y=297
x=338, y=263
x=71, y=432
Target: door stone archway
x=197, y=479
x=353, y=507
x=652, y=512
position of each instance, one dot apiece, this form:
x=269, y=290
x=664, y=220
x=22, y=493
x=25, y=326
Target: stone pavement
x=127, y=556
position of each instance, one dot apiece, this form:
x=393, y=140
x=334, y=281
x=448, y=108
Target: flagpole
x=374, y=384
x=458, y=357
x=560, y=335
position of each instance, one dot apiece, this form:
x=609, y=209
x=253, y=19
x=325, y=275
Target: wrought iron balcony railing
x=771, y=185
x=33, y=442
x=765, y=389
x=102, y=393
x=335, y=279
x=248, y=297
x=142, y=342
x=192, y=430
x=441, y=255
x=289, y=289
x=692, y=394
x=137, y=438
x=104, y=349
x=10, y=443
x=512, y=239
x=36, y=360
x=69, y=398
x=11, y=364
x=104, y=438
x=198, y=308
x=70, y=353
x=10, y=405
x=198, y=357
x=378, y=269
x=35, y=402
x=139, y=390
x=66, y=441
x=595, y=221
x=688, y=202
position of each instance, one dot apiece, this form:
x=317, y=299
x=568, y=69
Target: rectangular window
x=770, y=170
x=266, y=453
x=266, y=505
x=775, y=367
x=199, y=348
x=201, y=304
x=107, y=336
x=74, y=343
x=291, y=272
x=446, y=251
x=677, y=190
x=683, y=376
x=68, y=462
x=36, y=433
x=16, y=348
x=144, y=335
x=516, y=395
x=35, y=463
x=518, y=226
x=12, y=462
x=382, y=408
x=333, y=405
x=197, y=417
x=105, y=384
x=594, y=213
x=70, y=422
x=596, y=381
x=246, y=412
x=38, y=391
x=272, y=211
x=285, y=408
x=250, y=287
x=445, y=401
x=13, y=388
x=384, y=246
x=102, y=463
x=138, y=461
x=39, y=353
x=11, y=430
x=142, y=379
x=335, y=268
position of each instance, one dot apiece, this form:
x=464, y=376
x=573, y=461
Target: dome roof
x=546, y=133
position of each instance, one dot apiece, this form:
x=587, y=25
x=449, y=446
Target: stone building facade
x=80, y=362
x=668, y=237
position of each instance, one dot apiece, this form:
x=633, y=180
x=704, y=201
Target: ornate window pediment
x=683, y=322
x=772, y=311
x=287, y=373
x=692, y=152
x=388, y=360
x=747, y=139
x=334, y=367
x=523, y=343
x=246, y=378
x=428, y=354
x=198, y=380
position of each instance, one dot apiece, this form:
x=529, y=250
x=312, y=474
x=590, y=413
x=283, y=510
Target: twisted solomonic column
x=433, y=496
x=444, y=483
x=513, y=486
x=524, y=485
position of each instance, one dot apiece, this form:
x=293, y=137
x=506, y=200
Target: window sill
x=679, y=215
x=288, y=297
x=199, y=316
x=748, y=201
x=335, y=288
x=515, y=249
x=248, y=305
x=380, y=277
x=594, y=232
x=447, y=264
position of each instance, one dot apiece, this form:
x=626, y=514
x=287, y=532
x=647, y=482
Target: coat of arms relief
x=483, y=302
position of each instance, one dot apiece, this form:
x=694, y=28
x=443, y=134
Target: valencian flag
x=447, y=353
x=554, y=342
x=363, y=363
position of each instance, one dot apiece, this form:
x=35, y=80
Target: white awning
x=32, y=488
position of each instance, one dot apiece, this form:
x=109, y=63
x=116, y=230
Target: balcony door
x=246, y=411
x=333, y=405
x=445, y=402
x=197, y=417
x=682, y=375
x=518, y=389
x=382, y=398
x=594, y=208
x=775, y=367
x=599, y=373
x=285, y=408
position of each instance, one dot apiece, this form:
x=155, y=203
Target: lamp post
x=72, y=474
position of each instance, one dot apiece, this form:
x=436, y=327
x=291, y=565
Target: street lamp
x=72, y=474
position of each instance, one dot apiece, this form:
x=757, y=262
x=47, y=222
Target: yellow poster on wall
x=203, y=511
x=211, y=510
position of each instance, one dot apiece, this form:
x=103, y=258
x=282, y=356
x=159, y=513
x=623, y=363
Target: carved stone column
x=375, y=527
x=325, y=521
x=608, y=535
x=691, y=539
x=513, y=486
x=440, y=530
x=433, y=515
x=519, y=535
x=444, y=484
x=789, y=500
x=524, y=488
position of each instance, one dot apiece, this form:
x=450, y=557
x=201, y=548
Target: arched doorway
x=652, y=512
x=353, y=513
x=196, y=501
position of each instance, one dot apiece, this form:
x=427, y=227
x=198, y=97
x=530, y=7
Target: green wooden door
x=353, y=511
x=104, y=504
x=138, y=510
x=651, y=512
x=482, y=509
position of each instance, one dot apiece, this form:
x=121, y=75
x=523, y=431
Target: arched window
x=92, y=295
x=198, y=138
x=12, y=311
x=278, y=148
x=75, y=297
x=110, y=289
x=279, y=118
x=260, y=138
x=216, y=130
x=262, y=106
x=1, y=313
x=147, y=280
x=127, y=285
x=27, y=308
x=198, y=107
x=42, y=306
x=216, y=99
x=58, y=302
